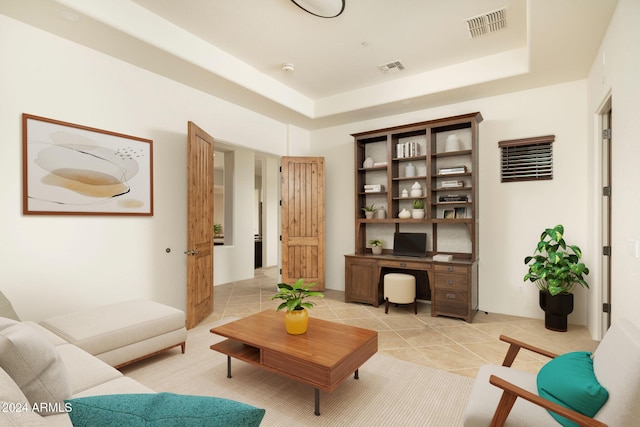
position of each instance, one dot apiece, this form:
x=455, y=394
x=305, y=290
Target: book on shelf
x=454, y=198
x=373, y=188
x=442, y=257
x=408, y=149
x=451, y=184
x=379, y=164
x=452, y=170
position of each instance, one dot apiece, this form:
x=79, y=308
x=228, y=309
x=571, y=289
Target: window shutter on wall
x=526, y=159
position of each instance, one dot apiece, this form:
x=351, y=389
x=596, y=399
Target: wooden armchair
x=503, y=396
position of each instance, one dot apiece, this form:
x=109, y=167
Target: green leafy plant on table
x=294, y=295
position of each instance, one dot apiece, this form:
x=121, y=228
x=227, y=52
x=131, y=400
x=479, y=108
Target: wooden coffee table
x=323, y=357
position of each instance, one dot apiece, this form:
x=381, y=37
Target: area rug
x=389, y=392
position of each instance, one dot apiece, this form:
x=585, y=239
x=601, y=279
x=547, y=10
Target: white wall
x=231, y=262
x=54, y=264
x=512, y=215
x=615, y=72
x=270, y=211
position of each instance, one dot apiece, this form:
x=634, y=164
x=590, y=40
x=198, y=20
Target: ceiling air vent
x=487, y=23
x=392, y=67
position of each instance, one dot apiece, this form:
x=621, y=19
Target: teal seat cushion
x=161, y=409
x=569, y=380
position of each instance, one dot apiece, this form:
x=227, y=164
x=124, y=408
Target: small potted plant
x=369, y=210
x=293, y=296
x=556, y=269
x=217, y=229
x=418, y=209
x=376, y=246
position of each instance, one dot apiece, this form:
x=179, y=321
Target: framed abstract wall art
x=69, y=169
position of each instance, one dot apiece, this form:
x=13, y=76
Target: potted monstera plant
x=556, y=269
x=293, y=296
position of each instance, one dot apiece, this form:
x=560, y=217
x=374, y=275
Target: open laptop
x=410, y=244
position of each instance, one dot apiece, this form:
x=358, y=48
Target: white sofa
x=86, y=375
x=48, y=369
x=59, y=372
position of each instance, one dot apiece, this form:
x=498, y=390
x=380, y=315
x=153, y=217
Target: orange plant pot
x=296, y=321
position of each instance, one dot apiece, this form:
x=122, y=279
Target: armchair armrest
x=515, y=347
x=512, y=392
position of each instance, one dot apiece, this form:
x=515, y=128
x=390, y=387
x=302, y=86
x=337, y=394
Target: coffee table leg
x=228, y=366
x=355, y=375
x=317, y=399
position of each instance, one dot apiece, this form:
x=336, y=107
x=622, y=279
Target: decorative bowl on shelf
x=368, y=163
x=416, y=190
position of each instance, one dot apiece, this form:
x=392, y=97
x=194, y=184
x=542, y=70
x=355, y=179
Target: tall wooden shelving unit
x=452, y=281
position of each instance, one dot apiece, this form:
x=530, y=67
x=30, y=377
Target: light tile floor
x=439, y=342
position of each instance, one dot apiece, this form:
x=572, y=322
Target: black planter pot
x=556, y=309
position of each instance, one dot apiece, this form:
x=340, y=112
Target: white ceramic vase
x=410, y=170
x=404, y=214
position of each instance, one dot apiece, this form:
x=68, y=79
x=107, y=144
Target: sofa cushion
x=109, y=327
x=118, y=386
x=162, y=409
x=484, y=397
x=616, y=363
x=85, y=371
x=54, y=339
x=9, y=390
x=34, y=365
x=569, y=380
x=6, y=309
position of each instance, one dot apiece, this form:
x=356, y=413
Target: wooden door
x=199, y=225
x=302, y=215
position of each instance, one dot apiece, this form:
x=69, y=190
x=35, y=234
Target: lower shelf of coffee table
x=238, y=350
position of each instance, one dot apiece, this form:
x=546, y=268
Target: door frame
x=605, y=121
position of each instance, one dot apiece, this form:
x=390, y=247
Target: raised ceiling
x=236, y=49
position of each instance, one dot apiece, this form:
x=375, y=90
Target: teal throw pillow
x=569, y=380
x=161, y=409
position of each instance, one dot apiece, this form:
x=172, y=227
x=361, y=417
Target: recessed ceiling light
x=287, y=68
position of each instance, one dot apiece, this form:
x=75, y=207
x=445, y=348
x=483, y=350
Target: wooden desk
x=453, y=285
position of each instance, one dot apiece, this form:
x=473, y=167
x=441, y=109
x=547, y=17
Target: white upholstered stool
x=399, y=289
